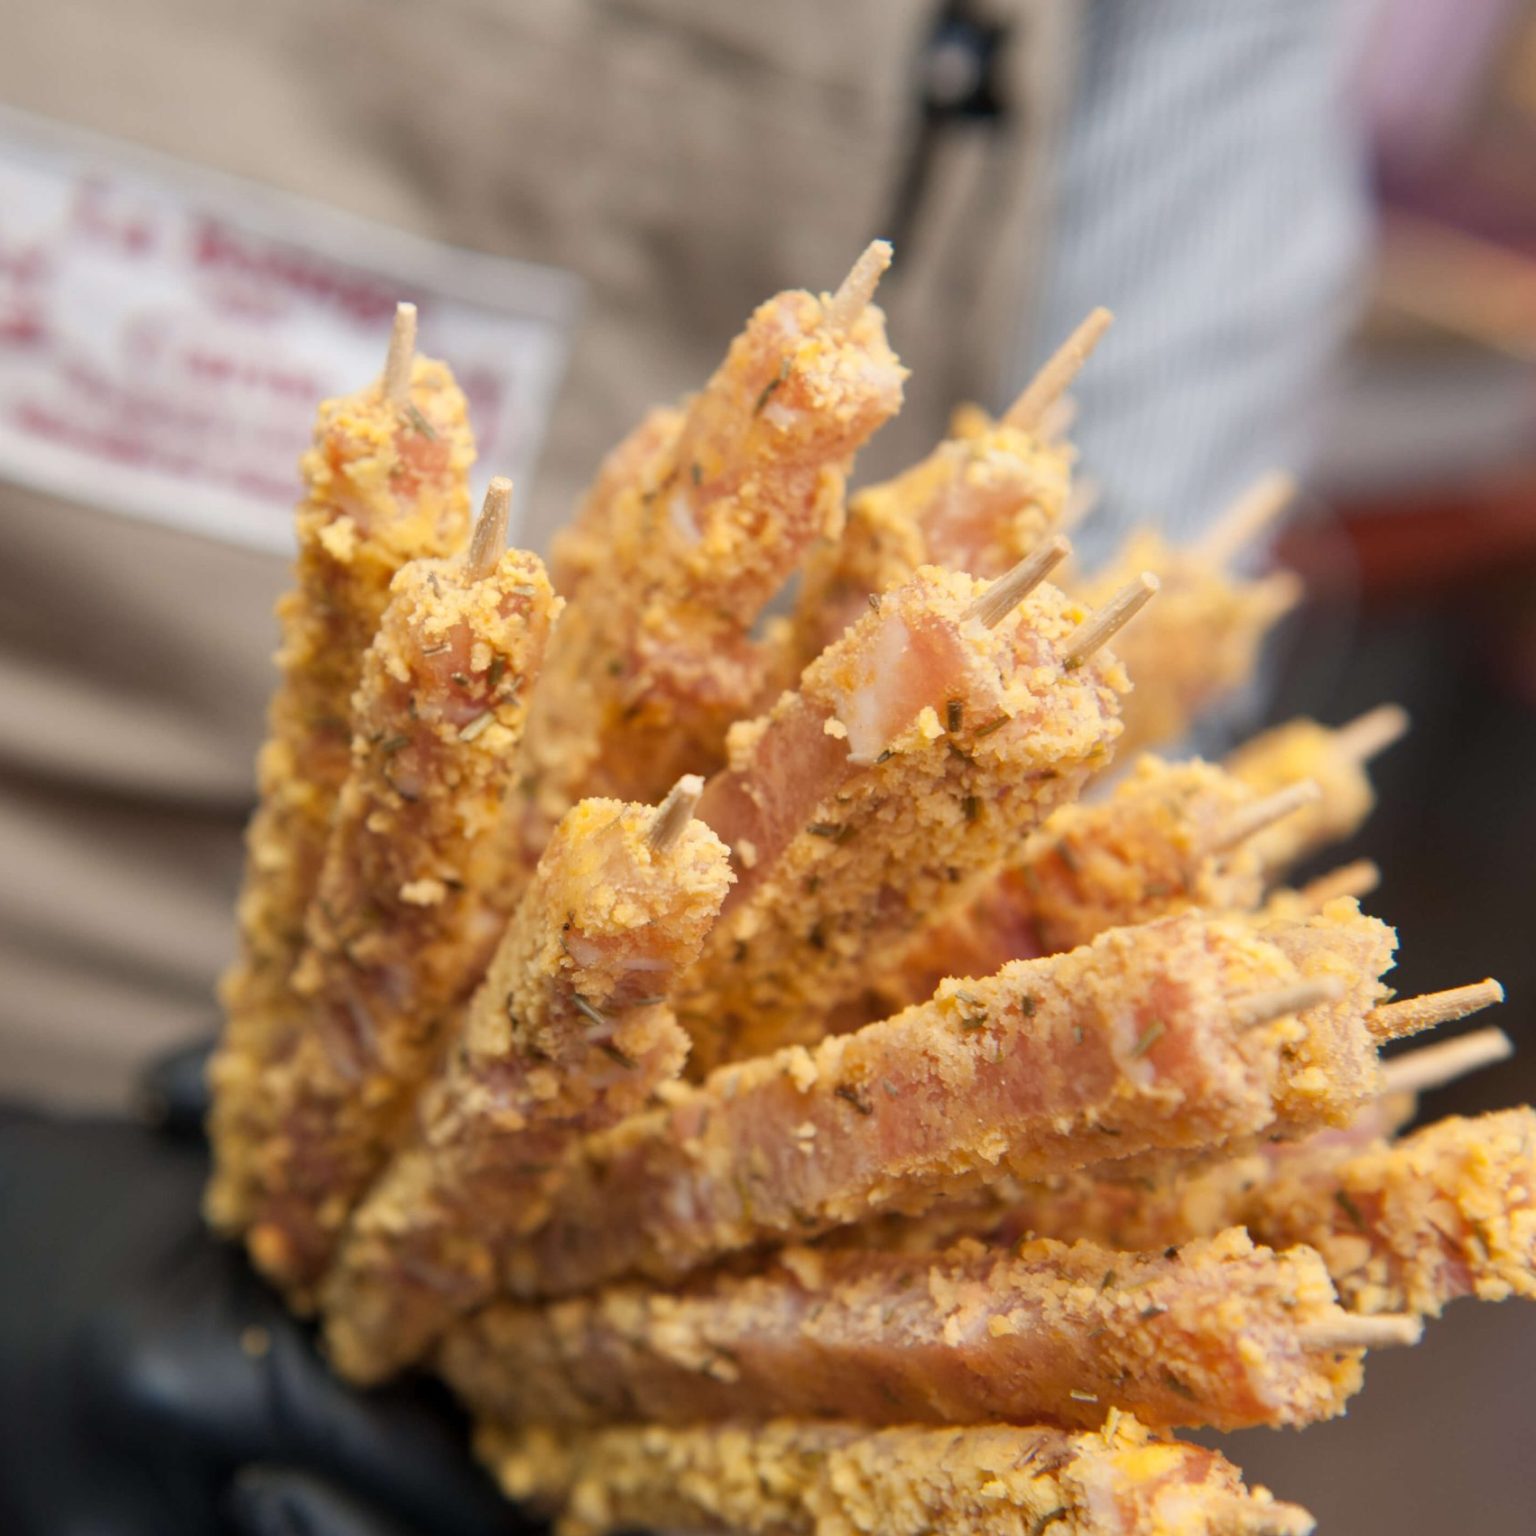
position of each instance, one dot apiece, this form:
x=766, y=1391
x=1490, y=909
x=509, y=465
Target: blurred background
x=1315, y=219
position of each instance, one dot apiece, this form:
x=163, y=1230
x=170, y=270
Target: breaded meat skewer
x=932, y=736
x=1408, y=1226
x=1179, y=1035
x=568, y=1033
x=793, y=1478
x=1203, y=639
x=407, y=905
x=978, y=504
x=386, y=482
x=1146, y=1206
x=1219, y=1334
x=1169, y=837
x=1334, y=759
x=656, y=656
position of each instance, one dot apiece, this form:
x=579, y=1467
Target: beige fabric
x=685, y=157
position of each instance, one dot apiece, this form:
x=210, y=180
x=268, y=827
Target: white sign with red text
x=165, y=333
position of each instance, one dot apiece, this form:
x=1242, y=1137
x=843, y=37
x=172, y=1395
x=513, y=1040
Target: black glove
x=149, y=1383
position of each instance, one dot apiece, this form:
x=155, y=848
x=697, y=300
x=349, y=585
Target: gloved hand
x=149, y=1383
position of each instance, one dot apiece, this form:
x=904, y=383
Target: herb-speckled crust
x=922, y=747
x=1124, y=1047
x=407, y=906
x=567, y=1034
x=1207, y=1336
x=790, y=1478
x=384, y=484
x=655, y=658
x=1146, y=851
x=1449, y=1211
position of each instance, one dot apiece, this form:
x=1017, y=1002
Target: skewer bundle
x=764, y=1064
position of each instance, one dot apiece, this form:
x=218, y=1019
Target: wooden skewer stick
x=1370, y=734
x=1394, y=1021
x=1058, y=419
x=858, y=288
x=1257, y=1008
x=1247, y=517
x=489, y=539
x=1064, y=365
x=1109, y=620
x=402, y=354
x=1433, y=1066
x=1250, y=819
x=1010, y=589
x=1386, y=1330
x=675, y=812
x=1356, y=879
x=1082, y=501
x=1234, y=1515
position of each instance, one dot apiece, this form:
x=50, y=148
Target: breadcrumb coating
x=921, y=747
x=384, y=484
x=1212, y=1335
x=584, y=547
x=1449, y=1211
x=790, y=1478
x=1151, y=848
x=976, y=504
x=567, y=1034
x=1124, y=1046
x=656, y=656
x=1198, y=642
x=407, y=904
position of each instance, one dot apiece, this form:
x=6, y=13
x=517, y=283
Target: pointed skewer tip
x=1433, y=1066
x=1010, y=589
x=675, y=812
x=401, y=355
x=1064, y=364
x=489, y=539
x=1369, y=735
x=1395, y=1021
x=1099, y=627
x=858, y=288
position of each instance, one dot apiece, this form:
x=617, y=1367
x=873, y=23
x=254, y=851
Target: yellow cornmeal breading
x=1408, y=1226
x=977, y=505
x=1199, y=641
x=566, y=1035
x=655, y=659
x=1125, y=1046
x=384, y=484
x=1007, y=733
x=1214, y=1335
x=1150, y=849
x=1332, y=1066
x=584, y=547
x=791, y=1478
x=408, y=902
x=1303, y=749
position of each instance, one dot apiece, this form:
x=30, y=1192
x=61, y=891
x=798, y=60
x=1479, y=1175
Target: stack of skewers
x=767, y=1064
